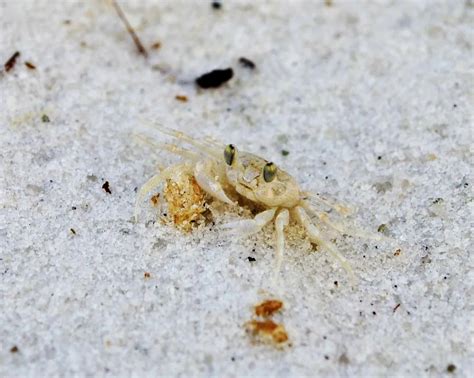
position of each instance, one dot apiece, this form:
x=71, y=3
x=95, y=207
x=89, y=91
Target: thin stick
x=134, y=36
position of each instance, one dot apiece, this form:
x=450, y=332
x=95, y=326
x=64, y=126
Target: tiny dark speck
x=216, y=5
x=326, y=357
x=215, y=78
x=379, y=157
x=247, y=63
x=374, y=313
x=14, y=349
x=455, y=105
x=232, y=358
x=106, y=187
x=74, y=207
x=285, y=152
x=44, y=118
x=251, y=259
x=451, y=368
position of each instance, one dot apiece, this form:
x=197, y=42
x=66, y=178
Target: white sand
x=335, y=86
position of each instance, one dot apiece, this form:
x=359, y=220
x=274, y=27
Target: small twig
x=134, y=36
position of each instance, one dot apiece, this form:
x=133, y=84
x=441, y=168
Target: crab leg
x=248, y=227
x=173, y=148
x=154, y=182
x=318, y=238
x=340, y=227
x=344, y=210
x=201, y=146
x=281, y=222
x=208, y=182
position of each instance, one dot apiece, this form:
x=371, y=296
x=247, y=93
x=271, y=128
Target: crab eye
x=269, y=172
x=229, y=154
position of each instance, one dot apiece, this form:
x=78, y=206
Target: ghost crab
x=226, y=173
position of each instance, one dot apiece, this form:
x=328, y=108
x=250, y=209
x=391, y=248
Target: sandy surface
x=373, y=102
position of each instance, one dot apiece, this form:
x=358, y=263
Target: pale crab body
x=226, y=173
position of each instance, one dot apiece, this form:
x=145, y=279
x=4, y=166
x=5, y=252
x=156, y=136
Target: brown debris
x=267, y=331
x=396, y=307
x=186, y=201
x=30, y=65
x=146, y=275
x=12, y=61
x=397, y=252
x=130, y=30
x=181, y=98
x=14, y=349
x=156, y=45
x=268, y=307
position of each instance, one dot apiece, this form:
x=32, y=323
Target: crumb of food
x=267, y=331
x=30, y=65
x=181, y=98
x=397, y=252
x=215, y=78
x=247, y=63
x=268, y=307
x=106, y=187
x=146, y=275
x=10, y=63
x=185, y=202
